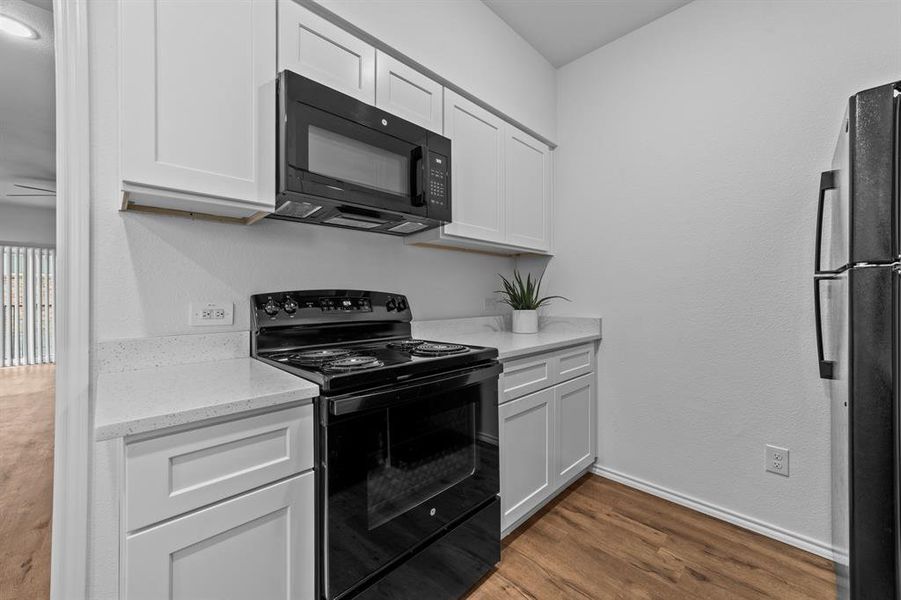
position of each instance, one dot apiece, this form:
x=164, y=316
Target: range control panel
x=328, y=306
x=345, y=304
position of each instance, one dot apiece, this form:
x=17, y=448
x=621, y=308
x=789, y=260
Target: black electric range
x=407, y=475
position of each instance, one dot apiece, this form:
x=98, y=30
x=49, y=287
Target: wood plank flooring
x=26, y=481
x=603, y=540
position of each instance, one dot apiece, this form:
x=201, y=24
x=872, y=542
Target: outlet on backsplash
x=211, y=314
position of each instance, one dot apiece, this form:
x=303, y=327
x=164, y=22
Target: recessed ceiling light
x=16, y=28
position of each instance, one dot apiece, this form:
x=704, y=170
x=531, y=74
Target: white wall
x=467, y=44
x=690, y=153
x=27, y=225
x=147, y=269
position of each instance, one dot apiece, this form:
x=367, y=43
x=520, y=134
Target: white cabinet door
x=259, y=545
x=407, y=93
x=527, y=446
x=576, y=427
x=311, y=46
x=197, y=99
x=528, y=191
x=477, y=169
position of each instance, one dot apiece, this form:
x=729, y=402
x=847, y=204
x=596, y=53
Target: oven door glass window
x=419, y=455
x=395, y=476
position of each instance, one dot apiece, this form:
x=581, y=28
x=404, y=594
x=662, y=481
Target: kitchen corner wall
x=147, y=269
x=689, y=160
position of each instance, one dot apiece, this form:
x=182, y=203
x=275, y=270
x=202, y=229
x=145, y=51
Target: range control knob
x=271, y=307
x=390, y=304
x=402, y=304
x=290, y=305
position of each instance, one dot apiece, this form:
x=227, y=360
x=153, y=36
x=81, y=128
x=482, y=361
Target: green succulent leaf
x=522, y=294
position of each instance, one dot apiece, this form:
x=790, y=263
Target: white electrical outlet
x=777, y=460
x=211, y=314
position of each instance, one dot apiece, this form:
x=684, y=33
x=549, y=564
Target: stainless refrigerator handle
x=827, y=182
x=827, y=367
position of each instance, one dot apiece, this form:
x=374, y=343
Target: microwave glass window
x=346, y=159
x=419, y=454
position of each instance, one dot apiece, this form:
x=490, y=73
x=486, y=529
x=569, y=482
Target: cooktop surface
x=362, y=364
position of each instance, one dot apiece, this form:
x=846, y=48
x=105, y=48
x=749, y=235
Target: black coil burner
x=405, y=344
x=315, y=358
x=352, y=363
x=434, y=349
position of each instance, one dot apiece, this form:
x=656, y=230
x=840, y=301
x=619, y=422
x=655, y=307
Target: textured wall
x=27, y=225
x=146, y=269
x=690, y=153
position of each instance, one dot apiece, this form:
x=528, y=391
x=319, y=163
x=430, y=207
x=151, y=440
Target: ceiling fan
x=36, y=187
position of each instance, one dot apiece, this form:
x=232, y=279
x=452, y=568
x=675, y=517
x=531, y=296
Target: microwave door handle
x=417, y=194
x=827, y=182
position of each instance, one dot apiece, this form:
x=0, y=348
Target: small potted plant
x=523, y=297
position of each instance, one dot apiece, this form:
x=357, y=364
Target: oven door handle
x=413, y=391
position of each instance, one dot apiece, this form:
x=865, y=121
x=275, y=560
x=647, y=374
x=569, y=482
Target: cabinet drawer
x=531, y=374
x=175, y=473
x=573, y=362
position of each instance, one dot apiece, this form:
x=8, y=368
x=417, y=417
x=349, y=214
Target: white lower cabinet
x=527, y=453
x=259, y=545
x=575, y=426
x=547, y=437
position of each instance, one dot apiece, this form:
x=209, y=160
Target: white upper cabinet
x=311, y=46
x=407, y=93
x=501, y=184
x=197, y=104
x=528, y=192
x=477, y=170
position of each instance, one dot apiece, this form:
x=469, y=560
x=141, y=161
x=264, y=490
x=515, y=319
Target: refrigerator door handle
x=827, y=182
x=827, y=367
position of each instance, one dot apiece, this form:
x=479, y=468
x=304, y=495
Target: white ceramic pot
x=525, y=321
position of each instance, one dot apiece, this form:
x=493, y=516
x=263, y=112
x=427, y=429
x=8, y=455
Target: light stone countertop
x=131, y=402
x=494, y=332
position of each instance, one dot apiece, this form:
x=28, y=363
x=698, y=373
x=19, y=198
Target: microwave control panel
x=438, y=183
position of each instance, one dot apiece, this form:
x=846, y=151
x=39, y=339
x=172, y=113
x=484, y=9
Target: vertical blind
x=26, y=329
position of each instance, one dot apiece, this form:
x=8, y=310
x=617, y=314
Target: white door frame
x=72, y=444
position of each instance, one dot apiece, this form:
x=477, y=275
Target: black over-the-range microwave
x=344, y=163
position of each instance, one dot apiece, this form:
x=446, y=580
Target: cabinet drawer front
x=521, y=377
x=173, y=474
x=527, y=444
x=574, y=362
x=575, y=413
x=259, y=545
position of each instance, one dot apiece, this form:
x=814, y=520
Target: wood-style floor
x=26, y=481
x=602, y=540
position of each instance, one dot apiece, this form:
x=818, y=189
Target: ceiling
x=27, y=108
x=564, y=30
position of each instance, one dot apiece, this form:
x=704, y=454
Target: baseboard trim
x=771, y=531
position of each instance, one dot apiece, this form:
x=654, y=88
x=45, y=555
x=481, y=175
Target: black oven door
x=400, y=466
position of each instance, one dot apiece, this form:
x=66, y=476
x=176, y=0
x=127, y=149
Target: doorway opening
x=27, y=292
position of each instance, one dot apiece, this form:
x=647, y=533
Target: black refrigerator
x=857, y=306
